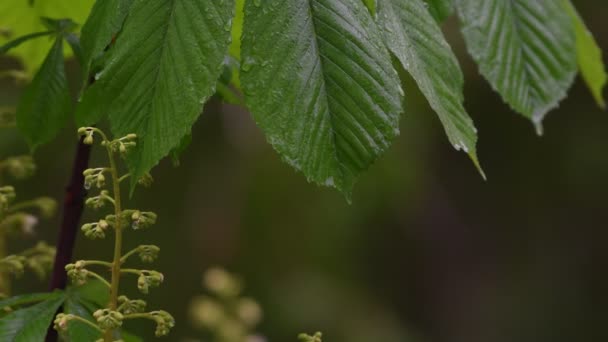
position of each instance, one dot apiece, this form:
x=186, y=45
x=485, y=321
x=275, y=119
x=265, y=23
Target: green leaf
x=440, y=9
x=45, y=105
x=21, y=18
x=526, y=50
x=320, y=83
x=14, y=43
x=589, y=55
x=416, y=40
x=128, y=337
x=30, y=324
x=371, y=6
x=104, y=22
x=161, y=70
x=26, y=299
x=77, y=330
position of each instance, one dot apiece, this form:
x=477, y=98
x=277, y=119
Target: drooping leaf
x=160, y=71
x=20, y=18
x=440, y=9
x=416, y=40
x=45, y=105
x=104, y=22
x=31, y=323
x=526, y=50
x=589, y=55
x=320, y=83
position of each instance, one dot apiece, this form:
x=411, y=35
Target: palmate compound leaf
x=415, y=38
x=589, y=56
x=320, y=83
x=160, y=71
x=31, y=323
x=525, y=49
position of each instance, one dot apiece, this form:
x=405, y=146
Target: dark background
x=428, y=251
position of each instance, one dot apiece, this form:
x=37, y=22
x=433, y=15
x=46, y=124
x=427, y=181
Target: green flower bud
x=148, y=253
x=61, y=322
x=14, y=264
x=146, y=180
x=77, y=273
x=164, y=322
x=108, y=319
x=149, y=279
x=47, y=206
x=127, y=306
x=307, y=338
x=20, y=167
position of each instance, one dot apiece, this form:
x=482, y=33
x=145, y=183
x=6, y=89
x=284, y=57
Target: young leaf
x=416, y=40
x=161, y=70
x=45, y=105
x=440, y=9
x=320, y=84
x=589, y=56
x=31, y=323
x=21, y=18
x=526, y=50
x=104, y=21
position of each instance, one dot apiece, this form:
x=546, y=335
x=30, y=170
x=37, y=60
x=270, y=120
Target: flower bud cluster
x=20, y=167
x=77, y=272
x=226, y=314
x=120, y=308
x=16, y=220
x=148, y=279
x=307, y=338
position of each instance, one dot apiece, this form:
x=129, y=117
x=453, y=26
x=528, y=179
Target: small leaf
x=589, y=55
x=321, y=85
x=160, y=71
x=416, y=40
x=30, y=324
x=440, y=9
x=525, y=49
x=45, y=105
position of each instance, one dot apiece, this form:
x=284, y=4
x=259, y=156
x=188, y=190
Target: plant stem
x=73, y=205
x=5, y=282
x=113, y=304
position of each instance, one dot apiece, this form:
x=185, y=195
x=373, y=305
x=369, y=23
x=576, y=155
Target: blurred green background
x=428, y=251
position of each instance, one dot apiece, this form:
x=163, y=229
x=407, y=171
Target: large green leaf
x=320, y=83
x=21, y=18
x=440, y=9
x=30, y=324
x=589, y=56
x=45, y=105
x=104, y=21
x=160, y=71
x=416, y=40
x=526, y=49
